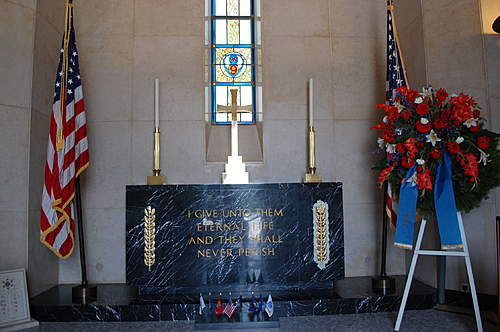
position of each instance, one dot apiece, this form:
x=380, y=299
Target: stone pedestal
x=235, y=172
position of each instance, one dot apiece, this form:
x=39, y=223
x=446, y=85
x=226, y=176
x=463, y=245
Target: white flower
x=391, y=148
x=419, y=100
x=413, y=180
x=433, y=138
x=471, y=122
x=424, y=121
x=427, y=92
x=398, y=131
x=399, y=106
x=384, y=119
x=381, y=143
x=483, y=157
x=420, y=161
x=459, y=139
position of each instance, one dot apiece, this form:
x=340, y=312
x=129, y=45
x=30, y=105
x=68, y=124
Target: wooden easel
x=464, y=254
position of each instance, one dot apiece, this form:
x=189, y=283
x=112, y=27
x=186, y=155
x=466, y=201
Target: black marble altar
x=232, y=236
x=115, y=302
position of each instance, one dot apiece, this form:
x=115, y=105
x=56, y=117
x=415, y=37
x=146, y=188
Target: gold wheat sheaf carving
x=321, y=233
x=149, y=237
x=321, y=237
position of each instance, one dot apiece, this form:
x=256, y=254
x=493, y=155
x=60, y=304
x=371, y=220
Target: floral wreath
x=419, y=128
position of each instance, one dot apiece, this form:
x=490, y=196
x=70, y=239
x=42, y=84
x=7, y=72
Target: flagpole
x=84, y=291
x=383, y=283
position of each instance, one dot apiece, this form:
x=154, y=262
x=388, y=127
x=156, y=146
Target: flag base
x=313, y=178
x=384, y=285
x=156, y=180
x=84, y=293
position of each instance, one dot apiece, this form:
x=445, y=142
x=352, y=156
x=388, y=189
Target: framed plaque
x=14, y=305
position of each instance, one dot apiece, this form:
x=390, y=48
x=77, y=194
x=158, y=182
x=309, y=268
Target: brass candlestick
x=156, y=178
x=312, y=176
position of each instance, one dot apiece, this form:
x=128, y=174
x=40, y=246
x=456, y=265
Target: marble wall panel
x=25, y=3
x=16, y=54
x=358, y=77
x=454, y=57
x=103, y=183
x=169, y=18
x=296, y=18
x=365, y=18
x=106, y=70
x=178, y=63
x=97, y=18
x=105, y=247
x=14, y=135
x=285, y=90
x=13, y=243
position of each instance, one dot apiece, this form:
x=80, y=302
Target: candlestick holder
x=312, y=176
x=156, y=178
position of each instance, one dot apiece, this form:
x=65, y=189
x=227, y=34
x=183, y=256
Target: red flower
x=407, y=162
x=405, y=114
x=435, y=153
x=379, y=126
x=422, y=109
x=440, y=123
x=474, y=128
x=453, y=147
x=424, y=180
x=408, y=93
x=400, y=148
x=471, y=167
x=410, y=146
x=388, y=136
x=441, y=95
x=384, y=174
x=423, y=128
x=483, y=142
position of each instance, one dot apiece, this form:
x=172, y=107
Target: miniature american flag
x=230, y=308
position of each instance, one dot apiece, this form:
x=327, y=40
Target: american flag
x=230, y=308
x=396, y=77
x=67, y=151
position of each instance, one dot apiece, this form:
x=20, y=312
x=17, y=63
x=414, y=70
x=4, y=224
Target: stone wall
x=125, y=44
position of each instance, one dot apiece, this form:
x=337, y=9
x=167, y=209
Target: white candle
x=157, y=103
x=311, y=95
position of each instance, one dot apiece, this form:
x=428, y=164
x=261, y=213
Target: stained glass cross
x=234, y=109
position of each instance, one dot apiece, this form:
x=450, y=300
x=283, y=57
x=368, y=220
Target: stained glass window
x=233, y=44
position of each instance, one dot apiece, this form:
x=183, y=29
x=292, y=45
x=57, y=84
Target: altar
x=210, y=238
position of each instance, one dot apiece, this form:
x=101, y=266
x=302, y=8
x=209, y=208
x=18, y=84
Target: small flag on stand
x=202, y=305
x=211, y=309
x=219, y=309
x=253, y=305
x=230, y=307
x=261, y=303
x=67, y=151
x=269, y=306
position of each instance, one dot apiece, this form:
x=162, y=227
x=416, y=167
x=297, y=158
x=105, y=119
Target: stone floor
x=421, y=321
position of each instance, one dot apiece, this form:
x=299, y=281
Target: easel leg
x=410, y=275
x=470, y=275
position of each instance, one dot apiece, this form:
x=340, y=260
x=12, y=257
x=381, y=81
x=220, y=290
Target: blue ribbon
x=407, y=209
x=446, y=209
x=444, y=200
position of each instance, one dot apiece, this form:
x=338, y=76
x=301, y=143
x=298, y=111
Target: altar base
x=116, y=302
